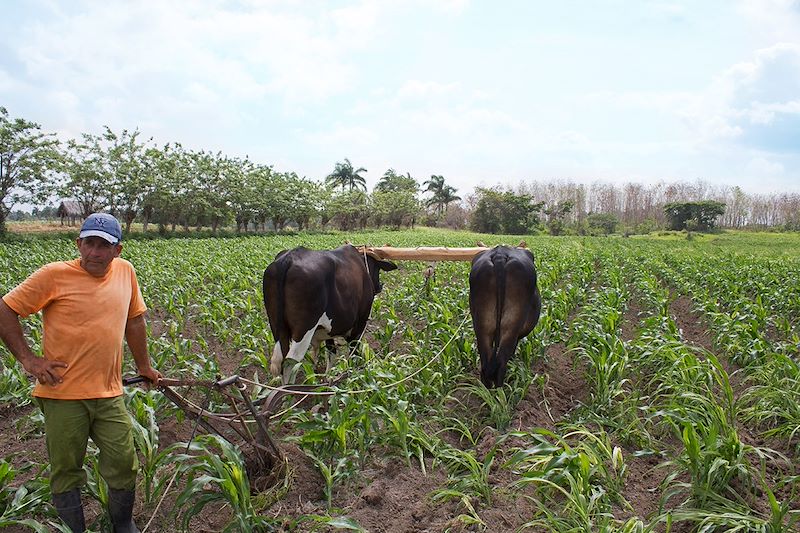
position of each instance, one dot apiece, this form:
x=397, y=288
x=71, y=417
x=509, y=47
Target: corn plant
x=96, y=487
x=145, y=435
x=468, y=475
x=217, y=475
x=471, y=518
x=15, y=387
x=399, y=427
x=32, y=497
x=336, y=471
x=495, y=403
x=590, y=459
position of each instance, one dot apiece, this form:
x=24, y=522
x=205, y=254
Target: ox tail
x=279, y=327
x=499, y=264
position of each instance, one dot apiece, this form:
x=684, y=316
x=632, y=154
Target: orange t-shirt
x=84, y=324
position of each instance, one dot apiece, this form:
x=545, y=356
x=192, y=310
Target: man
x=88, y=305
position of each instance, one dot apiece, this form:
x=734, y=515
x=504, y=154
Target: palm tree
x=447, y=196
x=391, y=181
x=346, y=177
x=441, y=194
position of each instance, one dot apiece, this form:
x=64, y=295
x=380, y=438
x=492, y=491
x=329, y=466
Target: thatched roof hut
x=69, y=209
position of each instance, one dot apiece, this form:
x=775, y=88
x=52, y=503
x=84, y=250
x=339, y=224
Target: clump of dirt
x=395, y=497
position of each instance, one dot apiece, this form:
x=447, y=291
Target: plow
x=235, y=417
x=244, y=421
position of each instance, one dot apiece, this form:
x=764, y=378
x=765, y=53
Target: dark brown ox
x=313, y=296
x=505, y=304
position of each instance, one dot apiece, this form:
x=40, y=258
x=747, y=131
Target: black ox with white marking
x=505, y=305
x=313, y=295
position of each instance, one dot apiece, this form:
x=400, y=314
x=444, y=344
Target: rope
x=366, y=265
x=166, y=491
x=360, y=391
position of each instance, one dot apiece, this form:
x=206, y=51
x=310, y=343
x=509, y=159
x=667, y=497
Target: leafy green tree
x=130, y=170
x=171, y=199
x=602, y=223
x=304, y=200
x=505, y=212
x=349, y=209
x=262, y=182
x=395, y=208
x=703, y=214
x=244, y=194
x=88, y=179
x=214, y=197
x=346, y=177
x=325, y=197
x=278, y=200
x=28, y=161
x=488, y=213
x=153, y=160
x=556, y=215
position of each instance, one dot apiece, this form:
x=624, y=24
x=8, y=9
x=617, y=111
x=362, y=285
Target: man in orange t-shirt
x=89, y=304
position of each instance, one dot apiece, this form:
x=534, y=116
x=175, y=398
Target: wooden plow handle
x=238, y=421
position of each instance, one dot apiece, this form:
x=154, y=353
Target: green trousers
x=68, y=425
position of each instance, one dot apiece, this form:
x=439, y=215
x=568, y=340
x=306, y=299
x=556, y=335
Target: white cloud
x=751, y=92
x=765, y=113
x=759, y=167
x=293, y=55
x=772, y=20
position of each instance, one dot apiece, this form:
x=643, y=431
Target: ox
x=505, y=304
x=313, y=296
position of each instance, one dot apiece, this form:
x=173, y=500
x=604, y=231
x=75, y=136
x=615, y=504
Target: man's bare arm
x=136, y=336
x=11, y=332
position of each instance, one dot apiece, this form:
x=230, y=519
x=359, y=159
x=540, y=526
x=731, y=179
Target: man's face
x=97, y=254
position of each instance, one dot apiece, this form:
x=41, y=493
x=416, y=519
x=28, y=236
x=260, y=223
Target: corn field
x=660, y=391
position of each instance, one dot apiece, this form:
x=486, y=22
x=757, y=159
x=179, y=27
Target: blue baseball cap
x=101, y=225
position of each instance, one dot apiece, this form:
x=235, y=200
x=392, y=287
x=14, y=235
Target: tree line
x=171, y=186
x=640, y=208
x=174, y=187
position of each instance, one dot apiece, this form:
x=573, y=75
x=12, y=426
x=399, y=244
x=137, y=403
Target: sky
x=484, y=93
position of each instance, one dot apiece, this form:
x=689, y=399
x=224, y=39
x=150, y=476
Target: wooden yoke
x=423, y=253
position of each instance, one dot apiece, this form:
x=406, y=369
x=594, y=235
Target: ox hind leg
x=278, y=365
x=495, y=348
x=297, y=351
x=484, y=323
x=505, y=351
x=487, y=355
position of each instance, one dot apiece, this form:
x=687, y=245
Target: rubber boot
x=120, y=507
x=70, y=510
